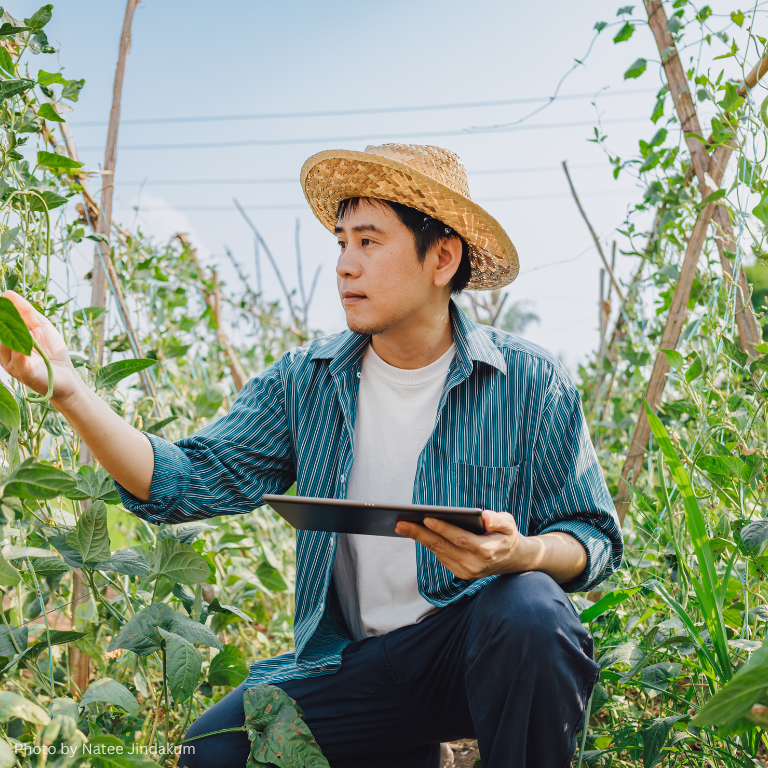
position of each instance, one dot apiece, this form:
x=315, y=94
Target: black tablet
x=342, y=516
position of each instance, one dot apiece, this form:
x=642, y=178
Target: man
x=400, y=643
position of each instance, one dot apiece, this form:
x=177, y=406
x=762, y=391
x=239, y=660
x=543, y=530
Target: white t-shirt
x=375, y=576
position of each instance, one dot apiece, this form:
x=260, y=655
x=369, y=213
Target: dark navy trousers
x=511, y=667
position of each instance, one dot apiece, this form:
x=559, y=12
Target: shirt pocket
x=482, y=487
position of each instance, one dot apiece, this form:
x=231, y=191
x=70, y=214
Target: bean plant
x=680, y=630
x=172, y=614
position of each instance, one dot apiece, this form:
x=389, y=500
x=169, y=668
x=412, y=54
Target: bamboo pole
x=702, y=165
x=100, y=218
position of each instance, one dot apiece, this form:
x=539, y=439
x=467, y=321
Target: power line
x=294, y=179
x=364, y=137
x=303, y=206
x=363, y=111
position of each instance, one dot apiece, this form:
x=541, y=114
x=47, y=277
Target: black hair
x=426, y=232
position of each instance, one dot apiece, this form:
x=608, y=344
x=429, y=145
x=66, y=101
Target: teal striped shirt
x=510, y=435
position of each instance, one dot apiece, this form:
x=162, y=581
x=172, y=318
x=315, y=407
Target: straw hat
x=429, y=179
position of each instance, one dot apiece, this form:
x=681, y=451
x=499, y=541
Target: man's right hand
x=122, y=450
x=30, y=370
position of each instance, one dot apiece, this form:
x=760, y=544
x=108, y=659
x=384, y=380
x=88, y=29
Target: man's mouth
x=352, y=297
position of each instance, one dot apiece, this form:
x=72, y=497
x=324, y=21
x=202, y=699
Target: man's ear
x=449, y=251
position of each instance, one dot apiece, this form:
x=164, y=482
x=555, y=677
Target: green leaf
x=695, y=369
x=33, y=480
x=217, y=607
x=208, y=402
x=706, y=589
x=184, y=664
x=6, y=62
x=14, y=333
x=737, y=17
x=9, y=409
x=717, y=195
x=20, y=634
x=57, y=163
x=9, y=577
x=625, y=10
x=636, y=69
x=49, y=78
x=605, y=603
x=754, y=537
x=731, y=101
x=91, y=537
x=674, y=358
x=732, y=351
x=659, y=675
x=185, y=533
x=624, y=33
x=655, y=736
x=124, y=561
x=12, y=705
x=753, y=467
x=179, y=562
x=108, y=376
x=109, y=691
x=600, y=26
x=50, y=200
x=39, y=18
x=10, y=88
x=228, y=667
x=277, y=732
x=155, y=427
x=11, y=29
x=47, y=112
x=49, y=567
x=72, y=89
x=761, y=209
x=704, y=14
x=270, y=577
x=93, y=484
x=734, y=700
x=761, y=364
x=140, y=631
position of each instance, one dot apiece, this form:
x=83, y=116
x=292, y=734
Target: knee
x=532, y=607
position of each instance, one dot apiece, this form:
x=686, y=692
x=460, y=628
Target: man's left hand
x=502, y=549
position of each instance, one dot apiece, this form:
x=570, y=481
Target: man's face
x=381, y=281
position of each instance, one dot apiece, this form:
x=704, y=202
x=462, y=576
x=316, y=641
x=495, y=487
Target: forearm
x=122, y=450
x=558, y=554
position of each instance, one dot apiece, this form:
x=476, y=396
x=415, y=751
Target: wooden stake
x=702, y=164
x=80, y=663
x=104, y=222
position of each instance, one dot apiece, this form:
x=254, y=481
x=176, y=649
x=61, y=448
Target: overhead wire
x=362, y=137
x=361, y=111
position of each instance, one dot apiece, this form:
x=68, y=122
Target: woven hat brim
x=331, y=176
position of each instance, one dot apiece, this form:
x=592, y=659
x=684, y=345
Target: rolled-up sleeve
x=569, y=492
x=226, y=468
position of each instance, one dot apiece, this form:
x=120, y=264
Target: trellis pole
x=702, y=164
x=80, y=663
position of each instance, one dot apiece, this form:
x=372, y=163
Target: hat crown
x=439, y=164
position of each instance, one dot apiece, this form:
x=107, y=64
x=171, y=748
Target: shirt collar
x=473, y=343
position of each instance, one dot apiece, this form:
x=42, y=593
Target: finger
x=432, y=541
x=28, y=313
x=499, y=522
x=454, y=534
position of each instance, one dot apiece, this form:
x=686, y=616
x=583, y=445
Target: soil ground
x=465, y=752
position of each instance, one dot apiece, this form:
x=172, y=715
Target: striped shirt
x=510, y=435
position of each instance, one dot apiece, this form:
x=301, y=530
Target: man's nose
x=348, y=265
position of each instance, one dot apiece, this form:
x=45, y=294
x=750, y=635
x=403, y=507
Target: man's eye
x=342, y=245
x=366, y=241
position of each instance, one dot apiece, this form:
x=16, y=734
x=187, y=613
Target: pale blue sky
x=191, y=58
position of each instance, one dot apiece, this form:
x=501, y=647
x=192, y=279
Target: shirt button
x=359, y=374
x=342, y=478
